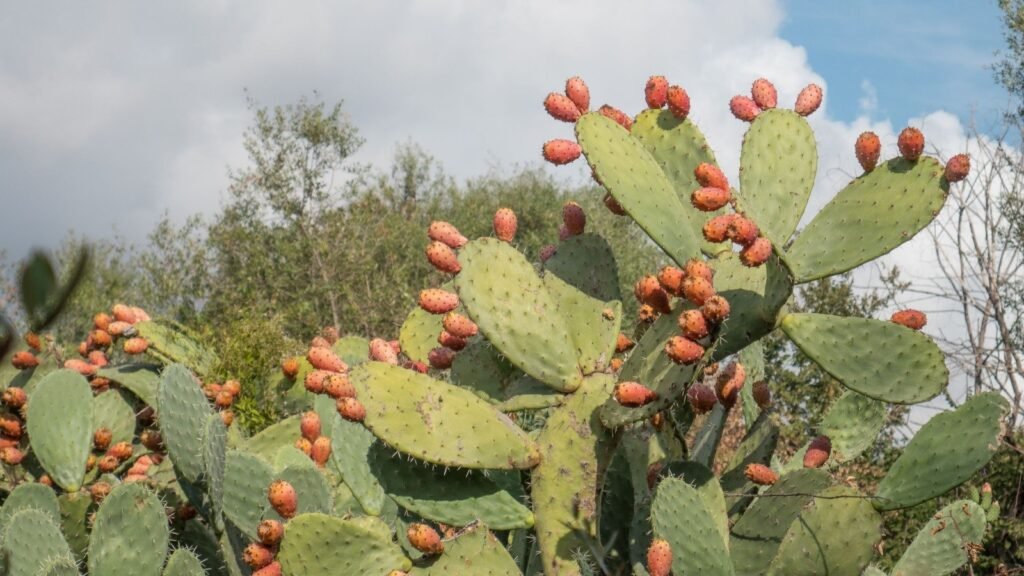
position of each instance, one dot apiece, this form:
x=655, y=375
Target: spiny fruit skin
x=678, y=102
x=338, y=386
x=101, y=438
x=425, y=539
x=321, y=451
x=441, y=358
x=99, y=491
x=808, y=100
x=647, y=313
x=101, y=320
x=122, y=451
x=11, y=456
x=561, y=151
x=818, y=452
x=232, y=387
x=270, y=532
x=682, y=350
x=449, y=340
x=118, y=328
x=325, y=359
x=437, y=301
x=447, y=234
x=911, y=143
x=23, y=360
x=282, y=498
x=224, y=399
x=319, y=342
x=868, y=149
x=762, y=394
x=351, y=409
x=272, y=569
x=381, y=351
x=648, y=291
x=744, y=108
x=764, y=94
x=10, y=425
x=709, y=199
x=702, y=398
x=305, y=446
x=697, y=290
x=459, y=325
x=309, y=425
x=958, y=167
x=659, y=558
x=314, y=381
x=710, y=176
x=577, y=91
x=505, y=224
x=623, y=343
x=729, y=383
x=620, y=117
x=574, y=218
x=257, y=555
x=99, y=338
x=913, y=319
x=742, y=231
x=97, y=358
x=14, y=398
x=33, y=341
x=561, y=107
x=760, y=474
x=633, y=394
x=613, y=205
x=227, y=417
x=715, y=308
x=135, y=345
x=671, y=280
x=693, y=324
x=717, y=229
x=757, y=253
x=697, y=268
x=656, y=92
x=442, y=257
x=108, y=464
x=80, y=366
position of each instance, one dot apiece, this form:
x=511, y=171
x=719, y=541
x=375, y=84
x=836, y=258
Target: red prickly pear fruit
x=633, y=394
x=10, y=426
x=97, y=358
x=459, y=325
x=122, y=451
x=710, y=176
x=656, y=92
x=671, y=280
x=447, y=234
x=270, y=532
x=282, y=498
x=118, y=328
x=416, y=366
x=23, y=360
x=697, y=290
x=425, y=539
x=319, y=342
x=443, y=258
x=868, y=149
x=911, y=143
x=808, y=100
x=80, y=366
x=710, y=199
x=659, y=558
x=99, y=491
x=744, y=108
x=33, y=341
x=620, y=117
x=437, y=301
x=693, y=324
x=913, y=319
x=701, y=398
x=647, y=313
x=338, y=386
x=730, y=382
x=760, y=474
x=100, y=338
x=958, y=167
x=233, y=387
x=561, y=151
x=715, y=309
x=613, y=205
x=224, y=399
x=505, y=224
x=764, y=94
x=547, y=252
x=682, y=350
x=561, y=107
x=135, y=345
x=381, y=351
x=272, y=569
x=14, y=398
x=742, y=231
x=321, y=451
x=574, y=218
x=227, y=417
x=678, y=102
x=441, y=358
x=309, y=425
x=11, y=456
x=717, y=228
x=101, y=438
x=257, y=555
x=315, y=380
x=818, y=452
x=305, y=446
x=757, y=253
x=396, y=346
x=101, y=321
x=449, y=340
x=648, y=290
x=623, y=343
x=762, y=394
x=577, y=91
x=325, y=359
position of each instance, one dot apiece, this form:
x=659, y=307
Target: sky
x=113, y=113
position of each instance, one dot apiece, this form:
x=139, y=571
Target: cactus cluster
x=515, y=427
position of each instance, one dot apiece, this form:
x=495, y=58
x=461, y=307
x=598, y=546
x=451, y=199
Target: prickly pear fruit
x=729, y=383
x=620, y=117
x=913, y=319
x=449, y=340
x=710, y=176
x=678, y=102
x=762, y=394
x=561, y=107
x=425, y=539
x=227, y=417
x=958, y=167
x=33, y=341
x=441, y=358
x=108, y=464
x=446, y=233
x=101, y=438
x=282, y=498
x=272, y=569
x=615, y=364
x=123, y=313
x=443, y=258
x=702, y=398
x=623, y=343
x=659, y=558
x=757, y=253
x=577, y=91
x=232, y=387
x=505, y=224
x=709, y=199
x=437, y=301
x=911, y=143
x=647, y=313
x=764, y=94
x=868, y=149
x=633, y=394
x=693, y=324
x=671, y=280
x=818, y=452
x=270, y=532
x=338, y=386
x=23, y=360
x=97, y=358
x=314, y=381
x=326, y=359
x=351, y=409
x=122, y=451
x=574, y=218
x=321, y=451
x=14, y=398
x=656, y=92
x=717, y=228
x=808, y=100
x=257, y=555
x=11, y=456
x=224, y=399
x=319, y=342
x=697, y=268
x=648, y=291
x=309, y=425
x=561, y=151
x=80, y=366
x=305, y=446
x=760, y=474
x=546, y=252
x=459, y=325
x=613, y=205
x=744, y=108
x=99, y=338
x=99, y=491
x=697, y=290
x=135, y=345
x=742, y=231
x=682, y=350
x=381, y=351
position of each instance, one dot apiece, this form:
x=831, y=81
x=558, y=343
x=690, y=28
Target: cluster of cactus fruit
x=515, y=427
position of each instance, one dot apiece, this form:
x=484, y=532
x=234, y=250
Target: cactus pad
x=169, y=341
x=680, y=515
x=183, y=563
x=32, y=542
x=183, y=412
x=940, y=547
x=587, y=263
x=130, y=534
x=755, y=297
x=418, y=335
x=351, y=449
x=319, y=545
x=141, y=380
x=248, y=476
x=113, y=410
x=475, y=551
x=60, y=425
x=593, y=324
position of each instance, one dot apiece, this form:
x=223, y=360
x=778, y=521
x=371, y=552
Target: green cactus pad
x=29, y=497
x=878, y=359
x=480, y=368
x=201, y=540
x=871, y=216
x=705, y=445
x=526, y=393
x=940, y=547
x=575, y=450
x=637, y=182
x=945, y=452
x=129, y=535
x=778, y=163
x=353, y=350
x=59, y=567
x=314, y=494
x=752, y=359
x=141, y=380
x=757, y=447
x=215, y=443
x=418, y=335
x=872, y=571
x=319, y=545
x=274, y=437
x=680, y=515
x=504, y=296
x=759, y=532
x=475, y=551
x=438, y=422
x=755, y=297
x=454, y=496
x=351, y=448
x=184, y=563
x=171, y=341
x=60, y=425
x=75, y=508
x=835, y=534
x=183, y=411
x=249, y=476
x=593, y=324
x=852, y=423
x=703, y=480
x=32, y=541
x=587, y=263
x=113, y=410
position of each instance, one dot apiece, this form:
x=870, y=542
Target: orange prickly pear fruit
x=227, y=417
x=122, y=451
x=80, y=366
x=729, y=383
x=449, y=340
x=257, y=555
x=321, y=451
x=282, y=498
x=709, y=199
x=656, y=92
x=23, y=360
x=319, y=342
x=139, y=314
x=697, y=268
x=101, y=438
x=459, y=325
x=270, y=532
x=697, y=290
x=682, y=350
x=561, y=151
x=305, y=446
x=808, y=100
x=678, y=102
x=577, y=91
x=693, y=324
x=505, y=224
x=97, y=358
x=957, y=168
x=211, y=390
x=764, y=94
x=223, y=399
x=99, y=338
x=710, y=176
x=443, y=258
x=338, y=386
x=381, y=351
x=671, y=279
x=623, y=343
x=99, y=491
x=11, y=456
x=14, y=398
x=33, y=341
x=309, y=425
x=615, y=364
x=101, y=321
x=868, y=149
x=315, y=380
x=351, y=409
x=416, y=366
x=659, y=558
x=715, y=309
x=757, y=253
x=123, y=313
x=290, y=368
x=633, y=394
x=742, y=231
x=760, y=474
x=648, y=291
x=325, y=359
x=913, y=319
x=647, y=313
x=441, y=358
x=574, y=218
x=701, y=398
x=818, y=452
x=717, y=228
x=330, y=333
x=744, y=108
x=620, y=117
x=233, y=387
x=447, y=234
x=425, y=539
x=272, y=569
x=118, y=328
x=911, y=143
x=135, y=345
x=561, y=107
